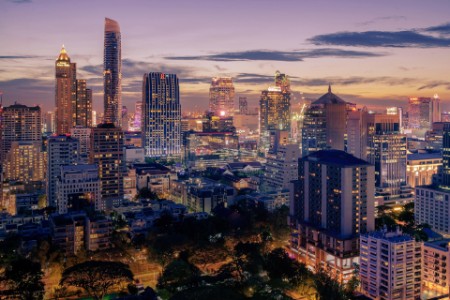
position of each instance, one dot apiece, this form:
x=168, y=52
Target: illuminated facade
x=274, y=109
x=331, y=205
x=112, y=73
x=325, y=124
x=422, y=112
x=107, y=152
x=83, y=113
x=83, y=135
x=221, y=96
x=161, y=115
x=19, y=123
x=421, y=167
x=65, y=93
x=24, y=162
x=137, y=116
x=435, y=266
x=61, y=150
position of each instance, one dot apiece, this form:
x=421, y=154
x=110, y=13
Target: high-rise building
x=83, y=113
x=78, y=187
x=125, y=118
x=423, y=111
x=281, y=167
x=65, y=93
x=112, y=73
x=243, y=106
x=48, y=122
x=221, y=96
x=61, y=150
x=325, y=124
x=107, y=143
x=161, y=115
x=357, y=132
x=331, y=205
x=19, y=123
x=24, y=162
x=387, y=152
x=274, y=107
x=390, y=266
x=83, y=135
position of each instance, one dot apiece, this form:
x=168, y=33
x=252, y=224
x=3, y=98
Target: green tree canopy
x=97, y=277
x=23, y=279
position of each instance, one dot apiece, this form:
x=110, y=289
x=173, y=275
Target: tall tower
x=221, y=96
x=112, y=73
x=83, y=113
x=161, y=115
x=65, y=92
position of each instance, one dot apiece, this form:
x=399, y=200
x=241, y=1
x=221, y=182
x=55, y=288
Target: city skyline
x=396, y=50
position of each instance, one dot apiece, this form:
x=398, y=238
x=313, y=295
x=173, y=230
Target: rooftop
x=329, y=98
x=422, y=156
x=335, y=157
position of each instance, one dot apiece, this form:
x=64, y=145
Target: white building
x=83, y=135
x=390, y=264
x=281, y=167
x=436, y=266
x=78, y=186
x=432, y=207
x=133, y=154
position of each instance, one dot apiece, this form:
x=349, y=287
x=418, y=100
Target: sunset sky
x=374, y=53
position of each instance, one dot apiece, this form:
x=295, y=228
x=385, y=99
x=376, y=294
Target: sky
x=374, y=53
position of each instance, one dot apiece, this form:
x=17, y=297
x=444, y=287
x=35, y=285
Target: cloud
x=413, y=38
x=270, y=55
x=19, y=1
x=435, y=84
x=442, y=29
x=17, y=56
x=381, y=19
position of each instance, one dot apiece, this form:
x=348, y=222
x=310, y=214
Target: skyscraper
x=112, y=73
x=243, y=105
x=325, y=124
x=19, y=123
x=274, y=107
x=65, y=93
x=161, y=115
x=423, y=112
x=107, y=152
x=137, y=116
x=331, y=205
x=221, y=96
x=83, y=113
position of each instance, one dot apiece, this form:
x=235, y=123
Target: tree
x=329, y=288
x=146, y=193
x=97, y=277
x=23, y=279
x=178, y=275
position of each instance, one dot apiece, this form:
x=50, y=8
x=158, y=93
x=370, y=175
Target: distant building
x=157, y=178
x=161, y=121
x=331, y=205
x=112, y=73
x=324, y=124
x=390, y=266
x=421, y=167
x=19, y=123
x=422, y=112
x=83, y=135
x=356, y=143
x=204, y=195
x=243, y=106
x=25, y=162
x=83, y=108
x=221, y=96
x=281, y=167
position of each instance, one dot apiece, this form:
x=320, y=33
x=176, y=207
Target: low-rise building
x=421, y=167
x=155, y=177
x=436, y=266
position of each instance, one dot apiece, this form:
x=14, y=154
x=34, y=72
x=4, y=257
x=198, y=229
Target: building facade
x=112, y=73
x=390, y=266
x=331, y=205
x=161, y=116
x=24, y=162
x=221, y=96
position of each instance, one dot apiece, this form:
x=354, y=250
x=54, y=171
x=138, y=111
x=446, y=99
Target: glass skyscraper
x=112, y=73
x=161, y=115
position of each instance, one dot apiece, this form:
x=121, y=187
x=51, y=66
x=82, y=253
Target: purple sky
x=374, y=53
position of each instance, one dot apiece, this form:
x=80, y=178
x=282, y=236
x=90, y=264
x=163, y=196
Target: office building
x=161, y=120
x=61, y=150
x=331, y=205
x=65, y=93
x=356, y=143
x=390, y=266
x=422, y=112
x=325, y=124
x=19, y=123
x=137, y=116
x=281, y=167
x=221, y=96
x=107, y=153
x=243, y=106
x=78, y=187
x=274, y=109
x=112, y=73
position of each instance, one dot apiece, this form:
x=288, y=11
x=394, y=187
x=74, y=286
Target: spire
x=329, y=88
x=63, y=54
